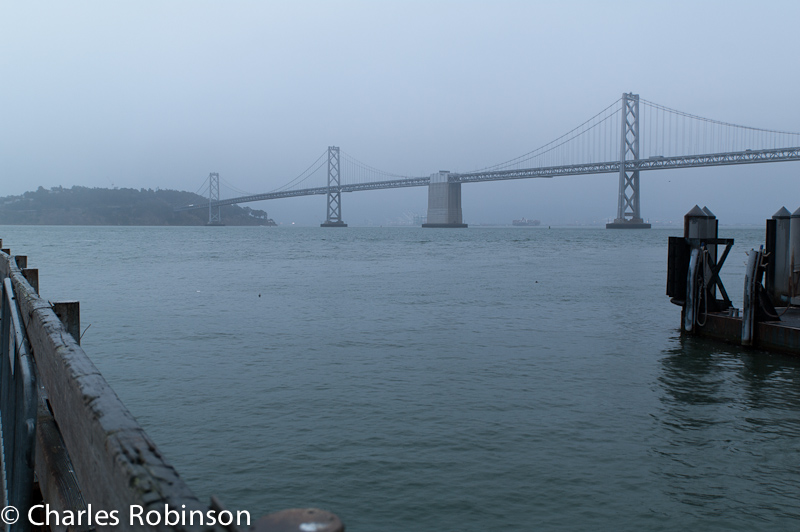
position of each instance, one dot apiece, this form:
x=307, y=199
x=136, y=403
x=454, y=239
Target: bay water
x=433, y=380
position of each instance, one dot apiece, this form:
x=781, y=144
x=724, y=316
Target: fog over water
x=158, y=94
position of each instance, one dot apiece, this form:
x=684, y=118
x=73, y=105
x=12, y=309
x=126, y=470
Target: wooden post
x=22, y=261
x=55, y=470
x=32, y=276
x=69, y=312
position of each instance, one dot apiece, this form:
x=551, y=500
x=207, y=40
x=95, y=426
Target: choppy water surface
x=434, y=380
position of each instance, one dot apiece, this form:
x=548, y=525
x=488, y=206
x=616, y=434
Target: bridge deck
x=611, y=167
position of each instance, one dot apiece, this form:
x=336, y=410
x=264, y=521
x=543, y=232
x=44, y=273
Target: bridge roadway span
x=613, y=167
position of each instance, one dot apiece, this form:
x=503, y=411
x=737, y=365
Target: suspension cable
x=534, y=153
x=301, y=177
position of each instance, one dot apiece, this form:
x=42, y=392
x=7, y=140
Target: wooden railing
x=89, y=453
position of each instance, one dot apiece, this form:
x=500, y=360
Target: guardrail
x=17, y=405
x=61, y=419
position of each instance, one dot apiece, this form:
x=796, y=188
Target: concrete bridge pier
x=444, y=202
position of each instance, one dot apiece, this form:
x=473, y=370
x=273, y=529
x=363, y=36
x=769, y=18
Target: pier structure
x=778, y=276
x=69, y=443
x=770, y=315
x=444, y=202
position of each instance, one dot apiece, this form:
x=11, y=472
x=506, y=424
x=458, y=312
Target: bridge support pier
x=334, y=218
x=629, y=179
x=444, y=202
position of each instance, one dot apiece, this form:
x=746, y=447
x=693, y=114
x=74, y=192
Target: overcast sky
x=150, y=94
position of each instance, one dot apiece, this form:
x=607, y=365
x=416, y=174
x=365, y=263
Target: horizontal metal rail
x=718, y=159
x=545, y=171
x=610, y=167
x=18, y=410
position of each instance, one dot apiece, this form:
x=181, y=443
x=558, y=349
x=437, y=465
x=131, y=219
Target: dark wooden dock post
x=69, y=312
x=32, y=276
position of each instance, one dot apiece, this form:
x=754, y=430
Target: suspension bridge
x=629, y=136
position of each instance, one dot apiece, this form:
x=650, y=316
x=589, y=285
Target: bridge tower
x=334, y=218
x=214, y=217
x=629, y=180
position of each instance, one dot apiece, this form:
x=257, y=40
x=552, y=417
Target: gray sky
x=153, y=94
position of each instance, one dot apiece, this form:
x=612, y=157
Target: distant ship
x=526, y=223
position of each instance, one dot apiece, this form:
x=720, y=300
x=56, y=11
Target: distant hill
x=117, y=206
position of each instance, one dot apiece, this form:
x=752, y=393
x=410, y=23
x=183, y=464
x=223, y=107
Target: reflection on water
x=729, y=433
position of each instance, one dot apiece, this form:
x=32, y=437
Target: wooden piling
x=69, y=312
x=32, y=276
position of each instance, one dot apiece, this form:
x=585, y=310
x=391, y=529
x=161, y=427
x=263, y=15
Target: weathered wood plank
x=54, y=469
